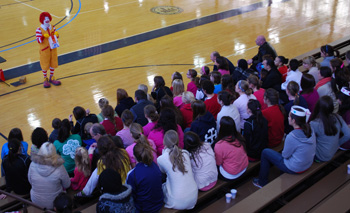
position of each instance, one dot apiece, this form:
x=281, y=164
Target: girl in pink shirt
x=166, y=122
x=191, y=87
x=124, y=134
x=137, y=133
x=222, y=64
x=229, y=151
x=152, y=116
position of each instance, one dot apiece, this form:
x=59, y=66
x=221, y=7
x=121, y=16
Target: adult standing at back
x=138, y=109
x=213, y=57
x=264, y=49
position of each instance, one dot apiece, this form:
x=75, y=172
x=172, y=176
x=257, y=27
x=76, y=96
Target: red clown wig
x=43, y=15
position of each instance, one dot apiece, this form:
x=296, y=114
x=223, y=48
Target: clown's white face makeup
x=46, y=22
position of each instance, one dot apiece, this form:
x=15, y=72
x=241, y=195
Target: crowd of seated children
x=223, y=132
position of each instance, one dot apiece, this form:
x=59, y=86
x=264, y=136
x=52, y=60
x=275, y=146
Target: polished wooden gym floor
x=111, y=44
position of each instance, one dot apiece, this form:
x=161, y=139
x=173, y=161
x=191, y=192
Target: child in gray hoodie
x=298, y=152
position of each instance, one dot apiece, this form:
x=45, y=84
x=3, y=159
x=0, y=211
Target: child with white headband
x=298, y=152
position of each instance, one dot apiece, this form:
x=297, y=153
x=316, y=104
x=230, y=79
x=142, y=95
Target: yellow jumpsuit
x=48, y=56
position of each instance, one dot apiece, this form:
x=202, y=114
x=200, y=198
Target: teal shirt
x=67, y=151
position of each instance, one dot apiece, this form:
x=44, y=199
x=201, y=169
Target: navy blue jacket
x=205, y=127
x=137, y=111
x=146, y=183
x=124, y=104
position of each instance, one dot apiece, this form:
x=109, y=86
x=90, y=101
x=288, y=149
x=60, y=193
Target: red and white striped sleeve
x=39, y=35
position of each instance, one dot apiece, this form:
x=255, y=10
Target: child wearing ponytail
x=180, y=189
x=298, y=152
x=255, y=131
x=137, y=133
x=145, y=179
x=16, y=166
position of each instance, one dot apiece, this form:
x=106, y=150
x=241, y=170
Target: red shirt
x=275, y=120
x=187, y=114
x=260, y=97
x=213, y=106
x=110, y=128
x=283, y=70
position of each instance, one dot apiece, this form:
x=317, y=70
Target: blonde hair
x=244, y=87
x=48, y=151
x=171, y=141
x=311, y=60
x=103, y=102
x=87, y=127
x=178, y=87
x=82, y=161
x=187, y=97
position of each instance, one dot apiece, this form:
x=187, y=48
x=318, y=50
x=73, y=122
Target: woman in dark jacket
x=123, y=102
x=255, y=131
x=159, y=90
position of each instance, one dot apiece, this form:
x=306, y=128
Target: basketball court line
x=36, y=8
x=145, y=36
x=135, y=39
x=96, y=71
x=3, y=5
x=116, y=5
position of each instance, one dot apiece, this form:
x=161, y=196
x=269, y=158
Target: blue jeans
x=268, y=157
